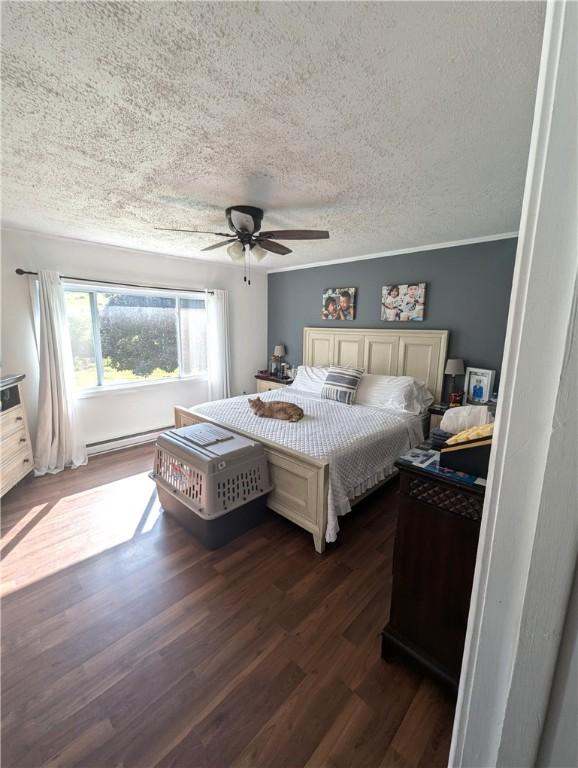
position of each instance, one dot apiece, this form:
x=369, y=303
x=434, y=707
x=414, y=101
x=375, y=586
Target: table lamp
x=278, y=353
x=454, y=367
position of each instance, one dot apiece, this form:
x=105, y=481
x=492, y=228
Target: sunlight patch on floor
x=77, y=527
x=18, y=529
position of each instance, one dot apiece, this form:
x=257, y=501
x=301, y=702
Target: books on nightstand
x=420, y=457
x=438, y=437
x=428, y=460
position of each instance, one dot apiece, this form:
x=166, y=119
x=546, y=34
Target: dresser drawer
x=267, y=386
x=11, y=421
x=15, y=469
x=13, y=444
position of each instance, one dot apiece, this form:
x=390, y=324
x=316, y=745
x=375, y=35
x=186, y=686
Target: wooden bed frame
x=301, y=482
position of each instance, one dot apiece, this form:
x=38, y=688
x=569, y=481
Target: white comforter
x=360, y=443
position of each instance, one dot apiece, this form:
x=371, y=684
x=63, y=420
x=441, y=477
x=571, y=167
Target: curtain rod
x=20, y=271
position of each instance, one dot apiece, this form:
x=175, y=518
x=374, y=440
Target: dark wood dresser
x=433, y=569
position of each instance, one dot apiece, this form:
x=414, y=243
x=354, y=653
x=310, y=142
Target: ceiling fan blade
x=270, y=245
x=218, y=245
x=296, y=234
x=195, y=231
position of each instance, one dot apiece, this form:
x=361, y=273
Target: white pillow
x=465, y=416
x=399, y=393
x=310, y=379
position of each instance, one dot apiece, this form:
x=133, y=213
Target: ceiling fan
x=248, y=240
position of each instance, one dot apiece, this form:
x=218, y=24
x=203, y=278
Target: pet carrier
x=212, y=481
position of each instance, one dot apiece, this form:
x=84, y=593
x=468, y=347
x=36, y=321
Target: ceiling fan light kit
x=247, y=239
x=258, y=252
x=236, y=251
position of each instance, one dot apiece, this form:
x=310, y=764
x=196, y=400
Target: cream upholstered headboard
x=421, y=354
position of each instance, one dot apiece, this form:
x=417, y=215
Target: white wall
x=114, y=414
x=559, y=745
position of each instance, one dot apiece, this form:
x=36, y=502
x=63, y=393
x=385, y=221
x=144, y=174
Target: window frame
x=92, y=288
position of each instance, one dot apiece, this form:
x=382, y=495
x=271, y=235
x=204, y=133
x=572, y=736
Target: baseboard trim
x=125, y=441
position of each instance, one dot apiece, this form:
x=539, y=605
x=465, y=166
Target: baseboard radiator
x=125, y=441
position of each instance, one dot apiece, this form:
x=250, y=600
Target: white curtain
x=58, y=441
x=218, y=359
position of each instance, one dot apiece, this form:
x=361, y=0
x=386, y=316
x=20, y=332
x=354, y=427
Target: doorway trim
x=526, y=555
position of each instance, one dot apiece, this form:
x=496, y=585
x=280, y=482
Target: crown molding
x=399, y=252
x=179, y=257
x=263, y=268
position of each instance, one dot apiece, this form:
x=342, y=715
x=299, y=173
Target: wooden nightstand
x=433, y=569
x=266, y=383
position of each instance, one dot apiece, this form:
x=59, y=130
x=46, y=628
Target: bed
x=338, y=453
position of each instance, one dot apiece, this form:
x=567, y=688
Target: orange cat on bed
x=276, y=409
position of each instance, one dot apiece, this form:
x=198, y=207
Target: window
x=121, y=336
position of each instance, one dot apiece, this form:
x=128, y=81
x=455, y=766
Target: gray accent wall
x=468, y=293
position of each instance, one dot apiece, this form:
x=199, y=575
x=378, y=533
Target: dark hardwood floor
x=125, y=643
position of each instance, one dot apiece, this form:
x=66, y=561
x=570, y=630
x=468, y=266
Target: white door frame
x=529, y=534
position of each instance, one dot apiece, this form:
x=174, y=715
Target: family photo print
x=338, y=304
x=403, y=302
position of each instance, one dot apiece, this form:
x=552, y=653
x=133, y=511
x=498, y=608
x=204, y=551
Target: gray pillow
x=341, y=384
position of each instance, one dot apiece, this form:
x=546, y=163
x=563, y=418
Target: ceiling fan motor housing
x=235, y=216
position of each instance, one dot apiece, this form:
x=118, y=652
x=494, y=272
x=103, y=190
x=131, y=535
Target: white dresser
x=16, y=458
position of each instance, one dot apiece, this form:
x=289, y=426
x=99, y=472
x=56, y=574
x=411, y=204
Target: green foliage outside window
x=139, y=337
x=139, y=333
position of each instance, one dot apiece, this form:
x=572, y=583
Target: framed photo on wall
x=403, y=302
x=479, y=385
x=338, y=304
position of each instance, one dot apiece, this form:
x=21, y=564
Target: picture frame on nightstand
x=479, y=385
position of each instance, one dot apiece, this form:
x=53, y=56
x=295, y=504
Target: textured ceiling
x=390, y=124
